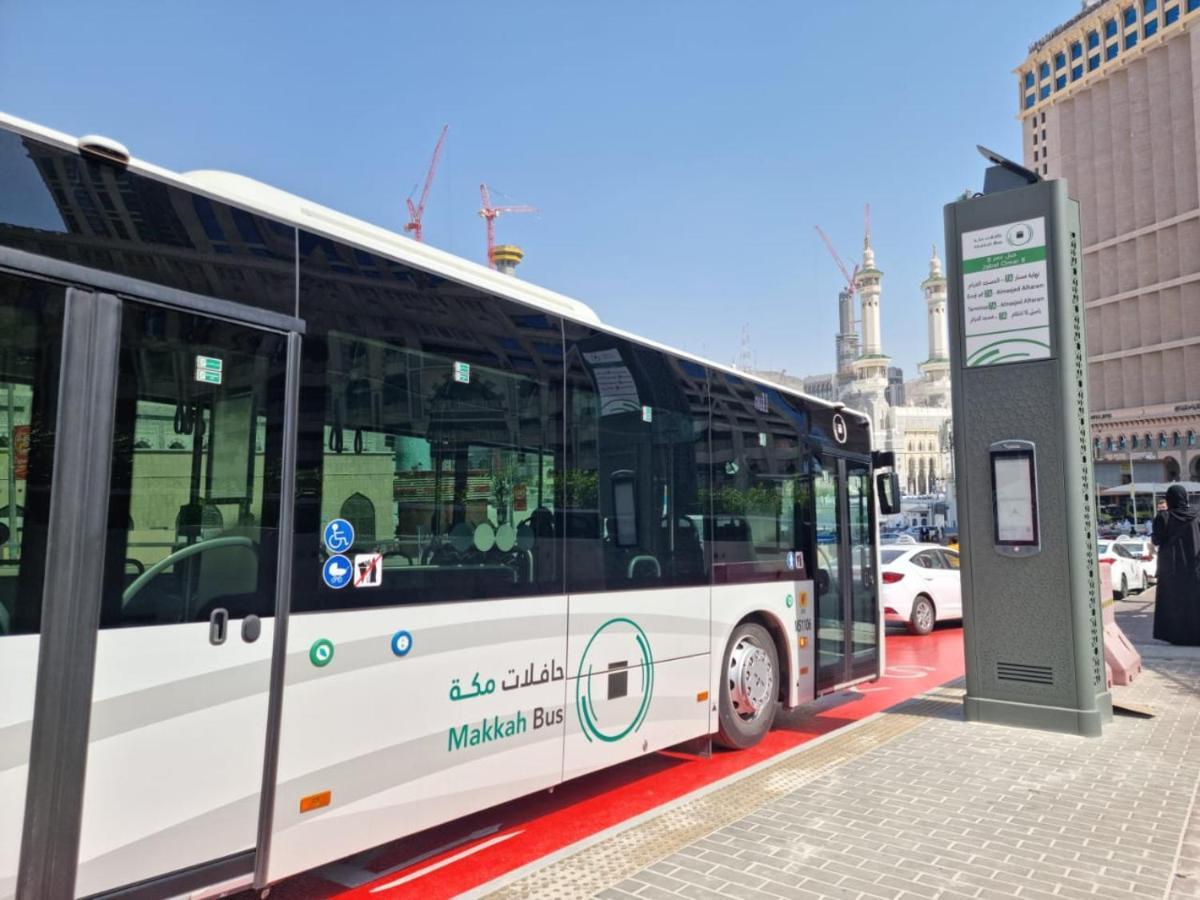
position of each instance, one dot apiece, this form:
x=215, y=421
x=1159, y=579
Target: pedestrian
x=1176, y=534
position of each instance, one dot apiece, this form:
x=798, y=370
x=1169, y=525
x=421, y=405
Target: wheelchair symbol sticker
x=339, y=536
x=402, y=642
x=337, y=571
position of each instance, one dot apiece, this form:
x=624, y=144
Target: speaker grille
x=1007, y=671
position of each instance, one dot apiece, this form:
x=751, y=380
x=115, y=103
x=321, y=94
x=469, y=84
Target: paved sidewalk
x=916, y=803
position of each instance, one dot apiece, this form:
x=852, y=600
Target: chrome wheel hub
x=751, y=679
x=924, y=616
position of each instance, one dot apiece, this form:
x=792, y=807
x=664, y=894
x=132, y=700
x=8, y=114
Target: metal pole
x=1132, y=490
x=11, y=544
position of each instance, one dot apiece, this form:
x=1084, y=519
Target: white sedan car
x=1127, y=571
x=1144, y=555
x=920, y=585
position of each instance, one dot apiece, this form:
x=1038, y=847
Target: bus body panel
x=18, y=674
x=422, y=714
x=639, y=667
x=657, y=706
x=175, y=751
x=734, y=602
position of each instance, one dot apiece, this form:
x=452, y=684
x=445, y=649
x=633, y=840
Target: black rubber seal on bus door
x=283, y=603
x=74, y=582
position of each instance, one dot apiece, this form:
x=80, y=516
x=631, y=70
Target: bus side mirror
x=887, y=485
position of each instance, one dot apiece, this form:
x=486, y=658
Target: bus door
x=848, y=629
x=31, y=314
x=183, y=654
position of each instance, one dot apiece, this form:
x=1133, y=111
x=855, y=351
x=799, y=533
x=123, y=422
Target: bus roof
x=255, y=196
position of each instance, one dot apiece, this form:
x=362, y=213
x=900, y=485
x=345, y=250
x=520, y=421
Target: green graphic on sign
x=602, y=685
x=320, y=654
x=462, y=372
x=789, y=601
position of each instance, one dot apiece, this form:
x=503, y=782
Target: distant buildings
x=1110, y=100
x=911, y=418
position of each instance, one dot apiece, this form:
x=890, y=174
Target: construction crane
x=417, y=212
x=846, y=273
x=490, y=213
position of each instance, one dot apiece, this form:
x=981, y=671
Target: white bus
x=313, y=537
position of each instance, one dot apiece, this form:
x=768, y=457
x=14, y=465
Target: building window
x=1093, y=62
x=1093, y=40
x=1170, y=15
x=1110, y=52
x=1045, y=169
x=1148, y=442
x=1131, y=40
x=1061, y=81
x=1096, y=445
x=1162, y=441
x=1110, y=28
x=1193, y=5
x=1129, y=16
x=1060, y=60
x=1191, y=438
x=1043, y=122
x=1133, y=442
x=1121, y=442
x=1043, y=131
x=1174, y=438
x=1076, y=72
x=1029, y=100
x=1029, y=79
x=1076, y=50
x=1149, y=6
x=1108, y=444
x=1035, y=156
x=1044, y=70
x=1044, y=92
x=1151, y=28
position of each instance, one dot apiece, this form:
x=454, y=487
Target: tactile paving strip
x=594, y=868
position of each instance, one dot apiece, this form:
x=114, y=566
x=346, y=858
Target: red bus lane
x=460, y=855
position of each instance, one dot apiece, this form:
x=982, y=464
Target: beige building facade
x=1110, y=101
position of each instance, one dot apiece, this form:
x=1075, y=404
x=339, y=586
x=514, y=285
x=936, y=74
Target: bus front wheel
x=749, y=687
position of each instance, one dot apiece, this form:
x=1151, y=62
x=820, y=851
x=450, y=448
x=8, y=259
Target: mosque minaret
x=869, y=389
x=935, y=371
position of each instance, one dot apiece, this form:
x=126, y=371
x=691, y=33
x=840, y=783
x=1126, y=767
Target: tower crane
x=490, y=213
x=417, y=212
x=846, y=273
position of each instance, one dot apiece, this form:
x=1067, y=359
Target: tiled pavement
x=916, y=803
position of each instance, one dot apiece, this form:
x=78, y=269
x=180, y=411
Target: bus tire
x=749, y=687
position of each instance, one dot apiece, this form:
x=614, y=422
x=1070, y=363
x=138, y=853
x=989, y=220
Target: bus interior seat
x=584, y=550
x=643, y=567
x=732, y=541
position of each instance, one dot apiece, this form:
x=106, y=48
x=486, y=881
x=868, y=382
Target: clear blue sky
x=680, y=152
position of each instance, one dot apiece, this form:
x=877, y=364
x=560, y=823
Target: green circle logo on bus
x=789, y=601
x=320, y=654
x=607, y=711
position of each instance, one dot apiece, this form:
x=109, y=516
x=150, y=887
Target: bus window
x=759, y=489
x=194, y=500
x=30, y=335
x=445, y=467
x=633, y=493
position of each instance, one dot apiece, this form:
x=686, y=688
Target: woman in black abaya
x=1177, y=536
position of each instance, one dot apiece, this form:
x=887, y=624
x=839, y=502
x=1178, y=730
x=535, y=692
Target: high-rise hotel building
x=1110, y=100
